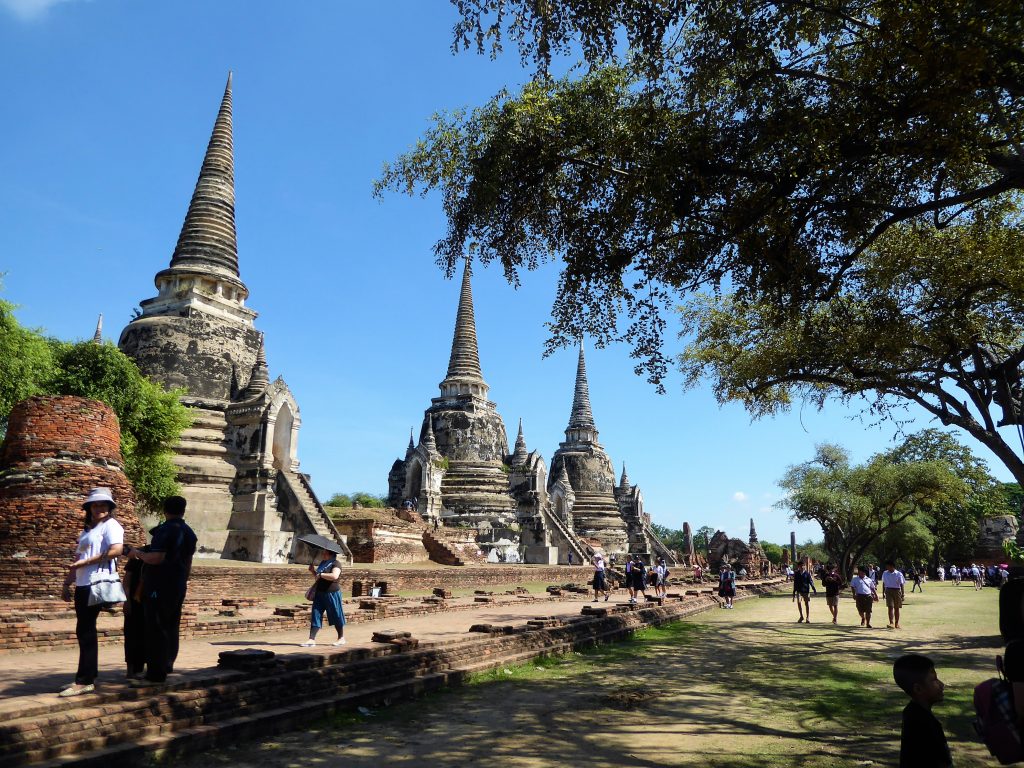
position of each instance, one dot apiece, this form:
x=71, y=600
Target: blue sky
x=108, y=105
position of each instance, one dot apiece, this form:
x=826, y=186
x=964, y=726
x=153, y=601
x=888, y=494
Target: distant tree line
x=360, y=497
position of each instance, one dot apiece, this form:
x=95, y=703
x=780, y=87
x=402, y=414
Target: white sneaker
x=340, y=641
x=307, y=644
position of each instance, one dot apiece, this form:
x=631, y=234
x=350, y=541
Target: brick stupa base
x=56, y=449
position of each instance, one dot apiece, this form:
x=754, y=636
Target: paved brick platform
x=204, y=705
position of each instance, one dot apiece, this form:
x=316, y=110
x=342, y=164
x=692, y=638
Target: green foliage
x=933, y=317
x=701, y=539
x=772, y=551
x=369, y=500
x=26, y=362
x=673, y=539
x=763, y=146
x=857, y=505
x=152, y=419
x=361, y=498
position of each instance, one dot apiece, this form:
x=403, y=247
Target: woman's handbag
x=311, y=592
x=105, y=586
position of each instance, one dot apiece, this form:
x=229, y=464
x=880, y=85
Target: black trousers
x=163, y=621
x=85, y=631
x=135, y=637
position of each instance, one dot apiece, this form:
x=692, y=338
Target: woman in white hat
x=98, y=547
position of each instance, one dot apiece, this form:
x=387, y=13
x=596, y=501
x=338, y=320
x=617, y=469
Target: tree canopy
x=760, y=146
x=857, y=505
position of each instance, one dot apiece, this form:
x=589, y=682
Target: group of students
x=864, y=587
x=156, y=578
x=638, y=577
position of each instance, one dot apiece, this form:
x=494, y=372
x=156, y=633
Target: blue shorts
x=330, y=602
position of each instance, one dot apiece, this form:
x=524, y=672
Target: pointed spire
x=624, y=481
x=520, y=455
x=581, y=416
x=207, y=242
x=464, y=363
x=428, y=440
x=97, y=337
x=753, y=533
x=563, y=478
x=412, y=445
x=259, y=379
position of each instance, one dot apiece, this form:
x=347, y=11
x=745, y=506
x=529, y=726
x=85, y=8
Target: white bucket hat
x=99, y=494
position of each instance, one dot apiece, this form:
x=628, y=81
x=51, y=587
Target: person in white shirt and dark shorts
x=864, y=595
x=893, y=582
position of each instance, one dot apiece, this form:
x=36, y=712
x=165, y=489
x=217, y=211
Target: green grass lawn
x=723, y=689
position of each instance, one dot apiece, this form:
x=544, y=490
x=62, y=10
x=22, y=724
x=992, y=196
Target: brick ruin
x=56, y=449
x=748, y=555
x=461, y=474
x=238, y=463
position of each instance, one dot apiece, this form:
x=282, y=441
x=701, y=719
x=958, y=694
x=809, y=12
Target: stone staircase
x=206, y=473
x=583, y=551
x=477, y=490
x=442, y=549
x=316, y=516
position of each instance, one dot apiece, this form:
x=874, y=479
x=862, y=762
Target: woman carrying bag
x=326, y=596
x=94, y=569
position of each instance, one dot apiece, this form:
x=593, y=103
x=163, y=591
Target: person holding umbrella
x=326, y=591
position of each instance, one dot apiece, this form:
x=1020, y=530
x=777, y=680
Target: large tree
x=761, y=145
x=932, y=317
x=857, y=505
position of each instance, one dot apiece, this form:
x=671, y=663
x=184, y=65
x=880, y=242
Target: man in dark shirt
x=833, y=582
x=923, y=742
x=167, y=565
x=803, y=583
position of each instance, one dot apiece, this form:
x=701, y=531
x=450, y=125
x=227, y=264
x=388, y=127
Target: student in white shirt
x=893, y=582
x=864, y=594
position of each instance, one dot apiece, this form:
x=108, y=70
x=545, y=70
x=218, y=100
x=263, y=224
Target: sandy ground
x=748, y=687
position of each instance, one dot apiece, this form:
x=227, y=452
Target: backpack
x=996, y=722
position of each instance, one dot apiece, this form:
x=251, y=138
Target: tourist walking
x=864, y=595
x=570, y=557
x=915, y=575
x=167, y=564
x=893, y=583
x=727, y=585
x=803, y=583
x=941, y=573
x=832, y=581
x=954, y=574
x=100, y=543
x=326, y=598
x=600, y=577
x=698, y=574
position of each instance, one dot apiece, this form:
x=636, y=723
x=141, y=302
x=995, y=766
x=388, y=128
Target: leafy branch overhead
x=763, y=147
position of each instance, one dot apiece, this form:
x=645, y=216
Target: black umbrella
x=320, y=542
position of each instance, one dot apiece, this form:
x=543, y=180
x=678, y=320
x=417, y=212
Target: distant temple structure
x=238, y=463
x=461, y=474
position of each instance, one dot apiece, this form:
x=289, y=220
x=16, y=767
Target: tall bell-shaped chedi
x=238, y=463
x=468, y=481
x=595, y=511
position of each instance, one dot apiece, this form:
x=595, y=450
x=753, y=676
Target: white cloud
x=740, y=496
x=29, y=10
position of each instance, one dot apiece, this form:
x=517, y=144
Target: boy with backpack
x=922, y=743
x=803, y=583
x=727, y=585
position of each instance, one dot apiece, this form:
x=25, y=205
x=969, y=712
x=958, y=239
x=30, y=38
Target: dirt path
x=748, y=687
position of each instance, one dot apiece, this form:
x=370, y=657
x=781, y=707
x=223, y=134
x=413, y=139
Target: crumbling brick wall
x=56, y=449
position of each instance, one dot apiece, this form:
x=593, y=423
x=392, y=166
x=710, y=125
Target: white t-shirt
x=96, y=541
x=893, y=580
x=862, y=586
x=598, y=563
